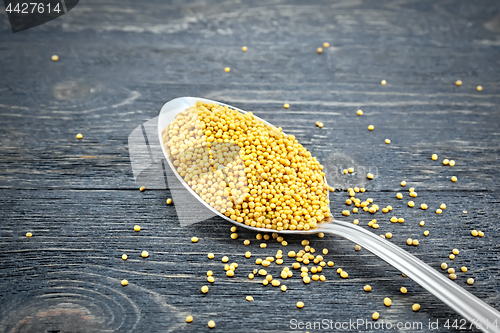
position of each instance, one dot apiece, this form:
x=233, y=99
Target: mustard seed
x=375, y=315
x=142, y=188
x=227, y=69
x=371, y=127
x=458, y=83
x=204, y=289
x=470, y=281
x=367, y=288
x=300, y=305
x=124, y=282
x=434, y=157
x=369, y=175
x=403, y=183
x=387, y=301
x=79, y=136
x=479, y=88
x=463, y=269
x=189, y=319
x=194, y=239
x=169, y=201
x=29, y=234
x=444, y=265
x=403, y=290
x=137, y=228
x=320, y=50
x=124, y=256
x=145, y=254
x=211, y=324
x=383, y=82
x=423, y=206
x=210, y=256
x=415, y=307
x=55, y=57
x=454, y=179
x=360, y=112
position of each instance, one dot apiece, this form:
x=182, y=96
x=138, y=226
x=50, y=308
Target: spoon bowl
x=472, y=308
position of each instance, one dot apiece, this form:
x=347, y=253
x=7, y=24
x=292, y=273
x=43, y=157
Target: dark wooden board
x=121, y=60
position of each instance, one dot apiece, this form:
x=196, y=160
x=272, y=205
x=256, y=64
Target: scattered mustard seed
x=367, y=288
x=360, y=112
x=325, y=44
x=210, y=256
x=383, y=82
x=474, y=233
x=415, y=307
x=204, y=289
x=479, y=88
x=300, y=305
x=434, y=157
x=411, y=204
x=422, y=223
x=169, y=201
x=451, y=256
x=227, y=69
x=403, y=183
x=246, y=242
x=403, y=290
x=194, y=239
x=211, y=324
x=399, y=195
x=124, y=282
x=234, y=235
x=470, y=281
x=452, y=276
x=286, y=105
x=249, y=298
x=454, y=179
x=387, y=141
x=54, y=57
x=225, y=259
x=189, y=319
x=387, y=301
x=455, y=251
x=444, y=265
x=438, y=211
x=458, y=83
x=446, y=161
x=463, y=269
x=124, y=256
x=423, y=206
x=375, y=315
x=371, y=127
x=29, y=234
x=145, y=254
x=344, y=274
x=426, y=233
x=137, y=227
x=142, y=188
x=320, y=50
x=79, y=136
x=369, y=175
x=244, y=48
x=452, y=163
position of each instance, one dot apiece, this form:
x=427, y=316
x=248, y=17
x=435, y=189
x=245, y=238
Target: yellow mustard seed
x=451, y=270
x=322, y=278
x=470, y=281
x=415, y=242
x=330, y=263
x=411, y=204
x=265, y=282
x=452, y=163
x=345, y=171
x=142, y=188
x=388, y=235
x=227, y=69
x=426, y=233
x=375, y=316
x=413, y=194
x=145, y=254
x=454, y=179
x=251, y=276
x=194, y=239
x=480, y=233
x=210, y=256
x=479, y=88
x=474, y=233
x=211, y=324
x=399, y=195
x=210, y=279
x=359, y=112
x=415, y=307
x=458, y=82
x=357, y=247
x=204, y=289
x=266, y=263
x=385, y=210
x=463, y=269
x=210, y=273
x=325, y=44
x=124, y=256
x=331, y=189
x=422, y=223
x=279, y=261
x=124, y=282
x=369, y=175
x=226, y=267
x=444, y=265
x=455, y=251
x=339, y=270
x=350, y=170
x=394, y=219
x=29, y=234
x=383, y=82
x=453, y=276
x=344, y=274
x=371, y=127
x=362, y=190
x=244, y=48
x=325, y=251
x=439, y=211
x=230, y=273
x=401, y=220
x=55, y=57
x=246, y=242
x=346, y=213
x=169, y=201
x=266, y=237
x=79, y=136
x=189, y=319
x=233, y=229
x=387, y=141
x=387, y=301
x=424, y=206
x=367, y=288
x=356, y=221
x=446, y=161
x=300, y=305
x=249, y=298
x=451, y=256
x=258, y=236
x=137, y=228
x=319, y=50
x=403, y=183
x=403, y=290
x=434, y=157
x=234, y=235
x=409, y=241
x=225, y=259
x=263, y=245
x=275, y=283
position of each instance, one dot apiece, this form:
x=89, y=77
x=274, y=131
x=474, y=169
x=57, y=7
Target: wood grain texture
x=121, y=60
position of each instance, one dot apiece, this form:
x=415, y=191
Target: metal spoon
x=480, y=314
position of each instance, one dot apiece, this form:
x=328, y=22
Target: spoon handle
x=480, y=314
